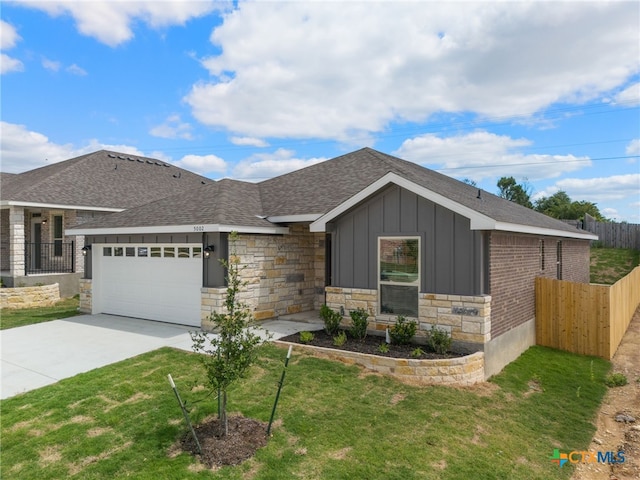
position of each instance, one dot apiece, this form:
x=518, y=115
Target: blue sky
x=546, y=92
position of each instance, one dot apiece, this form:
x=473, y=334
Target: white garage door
x=156, y=282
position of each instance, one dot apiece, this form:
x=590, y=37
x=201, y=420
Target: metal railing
x=57, y=257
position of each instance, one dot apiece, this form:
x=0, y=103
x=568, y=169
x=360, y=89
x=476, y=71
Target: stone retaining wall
x=466, y=370
x=28, y=297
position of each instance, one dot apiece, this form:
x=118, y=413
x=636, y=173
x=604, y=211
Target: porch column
x=16, y=241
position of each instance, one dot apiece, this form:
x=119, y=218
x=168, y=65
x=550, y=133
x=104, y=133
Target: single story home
x=363, y=230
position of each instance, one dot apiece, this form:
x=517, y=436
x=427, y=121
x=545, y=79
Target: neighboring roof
x=321, y=192
x=101, y=180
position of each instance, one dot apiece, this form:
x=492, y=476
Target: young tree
x=232, y=348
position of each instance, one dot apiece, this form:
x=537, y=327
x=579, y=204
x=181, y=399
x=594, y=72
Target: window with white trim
x=399, y=275
x=58, y=235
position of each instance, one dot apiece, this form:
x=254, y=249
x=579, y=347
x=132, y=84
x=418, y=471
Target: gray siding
x=451, y=256
x=214, y=274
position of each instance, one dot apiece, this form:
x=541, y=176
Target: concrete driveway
x=41, y=354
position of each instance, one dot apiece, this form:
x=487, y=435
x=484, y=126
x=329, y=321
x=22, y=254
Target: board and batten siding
x=451, y=253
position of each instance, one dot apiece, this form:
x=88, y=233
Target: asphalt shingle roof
x=100, y=179
x=156, y=195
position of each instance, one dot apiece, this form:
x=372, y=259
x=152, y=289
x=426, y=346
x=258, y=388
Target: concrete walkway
x=41, y=354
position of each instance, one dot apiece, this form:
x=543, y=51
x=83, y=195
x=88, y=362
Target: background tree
x=232, y=349
x=559, y=205
x=515, y=192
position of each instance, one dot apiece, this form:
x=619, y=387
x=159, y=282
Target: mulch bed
x=370, y=344
x=246, y=436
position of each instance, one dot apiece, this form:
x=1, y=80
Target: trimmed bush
x=360, y=319
x=331, y=319
x=403, y=331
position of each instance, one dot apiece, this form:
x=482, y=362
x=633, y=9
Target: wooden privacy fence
x=585, y=318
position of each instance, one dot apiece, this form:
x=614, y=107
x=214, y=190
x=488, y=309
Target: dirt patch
x=370, y=345
x=245, y=437
x=611, y=435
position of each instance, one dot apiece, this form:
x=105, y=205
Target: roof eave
x=177, y=229
x=60, y=206
x=513, y=227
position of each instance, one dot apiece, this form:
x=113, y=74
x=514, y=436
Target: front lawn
x=334, y=421
x=10, y=318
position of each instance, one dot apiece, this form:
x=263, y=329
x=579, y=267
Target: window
x=143, y=252
x=58, y=235
x=106, y=251
x=155, y=252
x=399, y=275
x=130, y=251
x=542, y=255
x=197, y=252
x=118, y=251
x=169, y=252
x=183, y=252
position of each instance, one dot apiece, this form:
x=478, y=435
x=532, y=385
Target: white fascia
x=478, y=220
x=176, y=229
x=514, y=227
x=305, y=218
x=18, y=203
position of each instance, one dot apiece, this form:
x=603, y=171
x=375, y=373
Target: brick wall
x=284, y=274
x=29, y=297
x=86, y=295
x=515, y=262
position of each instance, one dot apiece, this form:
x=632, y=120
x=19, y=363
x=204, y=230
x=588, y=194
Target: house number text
x=198, y=228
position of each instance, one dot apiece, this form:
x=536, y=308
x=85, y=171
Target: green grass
x=10, y=318
x=608, y=265
x=334, y=422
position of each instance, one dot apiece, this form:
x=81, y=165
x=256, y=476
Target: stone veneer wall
x=28, y=297
x=466, y=370
x=86, y=293
x=284, y=274
x=466, y=318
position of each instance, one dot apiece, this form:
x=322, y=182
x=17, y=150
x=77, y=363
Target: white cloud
x=173, y=127
x=481, y=155
x=615, y=187
x=76, y=70
x=8, y=39
x=51, y=65
x=261, y=166
x=22, y=149
x=202, y=164
x=629, y=96
x=8, y=36
x=634, y=147
x=343, y=69
x=249, y=141
x=9, y=64
x=109, y=21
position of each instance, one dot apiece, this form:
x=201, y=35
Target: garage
x=151, y=281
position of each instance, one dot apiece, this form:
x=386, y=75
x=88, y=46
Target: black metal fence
x=57, y=257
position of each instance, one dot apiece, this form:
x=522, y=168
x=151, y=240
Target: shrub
x=360, y=319
x=331, y=320
x=417, y=352
x=306, y=337
x=403, y=331
x=439, y=340
x=615, y=380
x=340, y=339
